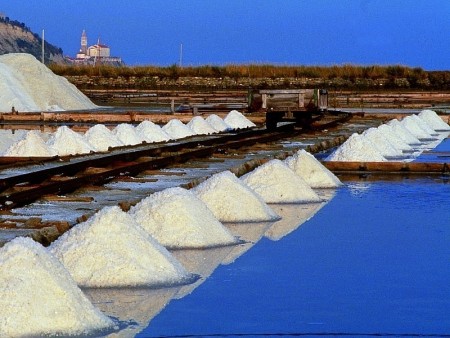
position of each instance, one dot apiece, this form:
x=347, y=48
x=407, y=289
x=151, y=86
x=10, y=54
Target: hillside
x=15, y=37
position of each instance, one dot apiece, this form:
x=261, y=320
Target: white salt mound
x=177, y=129
x=237, y=120
x=389, y=134
x=424, y=125
x=356, y=149
x=200, y=127
x=9, y=137
x=67, y=142
x=217, y=123
x=38, y=297
x=32, y=145
x=28, y=85
x=314, y=173
x=152, y=132
x=179, y=219
x=275, y=182
x=231, y=200
x=127, y=134
x=111, y=250
x=381, y=143
x=433, y=120
x=402, y=132
x=101, y=138
x=414, y=128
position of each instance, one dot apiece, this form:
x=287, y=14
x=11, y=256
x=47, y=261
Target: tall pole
x=43, y=52
x=181, y=55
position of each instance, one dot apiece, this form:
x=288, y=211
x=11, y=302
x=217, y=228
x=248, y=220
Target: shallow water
x=373, y=260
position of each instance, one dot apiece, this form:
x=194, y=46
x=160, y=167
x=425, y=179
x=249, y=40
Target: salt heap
x=178, y=219
x=38, y=297
x=152, y=132
x=31, y=145
x=28, y=85
x=356, y=149
x=127, y=134
x=402, y=132
x=381, y=143
x=275, y=182
x=111, y=250
x=433, y=120
x=217, y=123
x=236, y=120
x=389, y=133
x=101, y=138
x=200, y=127
x=9, y=137
x=231, y=200
x=424, y=125
x=314, y=173
x=67, y=142
x=177, y=129
x=414, y=128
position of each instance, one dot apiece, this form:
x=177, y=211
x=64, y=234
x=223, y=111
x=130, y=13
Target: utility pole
x=181, y=55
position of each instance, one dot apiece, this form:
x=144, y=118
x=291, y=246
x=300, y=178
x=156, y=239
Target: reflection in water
x=358, y=188
x=133, y=306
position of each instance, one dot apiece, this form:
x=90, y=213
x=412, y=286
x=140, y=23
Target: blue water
x=374, y=260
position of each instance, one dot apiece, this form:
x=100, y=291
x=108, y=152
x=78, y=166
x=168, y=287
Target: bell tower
x=83, y=42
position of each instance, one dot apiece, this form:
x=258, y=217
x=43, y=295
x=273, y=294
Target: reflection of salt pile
x=28, y=85
x=414, y=128
x=178, y=219
x=39, y=298
x=275, y=182
x=231, y=200
x=356, y=148
x=152, y=132
x=400, y=130
x=389, y=133
x=381, y=143
x=67, y=142
x=433, y=120
x=32, y=145
x=177, y=129
x=111, y=250
x=315, y=174
x=127, y=134
x=236, y=120
x=200, y=127
x=217, y=123
x=101, y=138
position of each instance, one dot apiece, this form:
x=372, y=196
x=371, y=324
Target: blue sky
x=413, y=33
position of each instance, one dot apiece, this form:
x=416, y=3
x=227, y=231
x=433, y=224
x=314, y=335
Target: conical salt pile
x=403, y=133
x=200, y=127
x=315, y=174
x=433, y=120
x=111, y=250
x=231, y=200
x=275, y=182
x=237, y=120
x=152, y=132
x=127, y=134
x=217, y=123
x=32, y=145
x=67, y=142
x=38, y=297
x=389, y=133
x=101, y=138
x=178, y=219
x=177, y=129
x=357, y=149
x=414, y=128
x=381, y=143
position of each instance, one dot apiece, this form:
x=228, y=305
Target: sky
x=414, y=33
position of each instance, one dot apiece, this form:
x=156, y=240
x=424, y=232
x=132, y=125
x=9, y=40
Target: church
x=95, y=54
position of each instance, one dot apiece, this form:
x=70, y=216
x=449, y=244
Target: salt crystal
x=152, y=132
x=231, y=200
x=111, y=250
x=200, y=127
x=403, y=132
x=381, y=143
x=177, y=129
x=178, y=219
x=38, y=297
x=32, y=145
x=101, y=138
x=414, y=128
x=217, y=123
x=67, y=142
x=275, y=182
x=433, y=120
x=237, y=120
x=356, y=149
x=127, y=134
x=315, y=174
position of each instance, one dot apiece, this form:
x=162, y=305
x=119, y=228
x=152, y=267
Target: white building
x=99, y=52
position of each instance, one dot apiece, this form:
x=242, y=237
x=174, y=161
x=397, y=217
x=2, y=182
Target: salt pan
x=200, y=127
x=231, y=200
x=433, y=120
x=217, y=123
x=178, y=219
x=177, y=129
x=275, y=182
x=101, y=138
x=32, y=145
x=357, y=149
x=402, y=132
x=152, y=132
x=381, y=143
x=237, y=120
x=67, y=142
x=315, y=174
x=414, y=128
x=127, y=134
x=38, y=297
x=111, y=250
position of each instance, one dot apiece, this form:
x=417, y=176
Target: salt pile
x=217, y=123
x=315, y=174
x=381, y=143
x=358, y=149
x=236, y=120
x=38, y=297
x=127, y=134
x=177, y=129
x=200, y=127
x=101, y=138
x=28, y=85
x=9, y=137
x=178, y=219
x=275, y=182
x=402, y=132
x=111, y=250
x=424, y=125
x=433, y=120
x=67, y=142
x=231, y=200
x=152, y=132
x=389, y=133
x=414, y=128
x=31, y=145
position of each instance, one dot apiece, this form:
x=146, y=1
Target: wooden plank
x=388, y=167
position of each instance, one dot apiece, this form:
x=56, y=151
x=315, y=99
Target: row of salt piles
x=396, y=139
x=66, y=142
